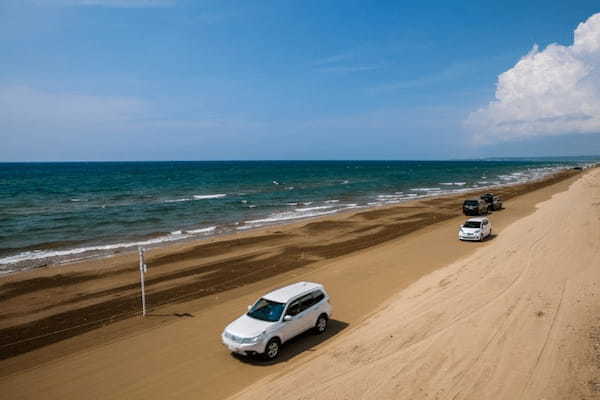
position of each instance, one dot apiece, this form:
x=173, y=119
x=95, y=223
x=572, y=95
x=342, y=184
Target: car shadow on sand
x=491, y=237
x=304, y=342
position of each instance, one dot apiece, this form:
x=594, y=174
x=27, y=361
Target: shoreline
x=110, y=284
x=360, y=272
x=182, y=237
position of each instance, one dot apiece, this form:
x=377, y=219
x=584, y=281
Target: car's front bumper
x=464, y=236
x=246, y=349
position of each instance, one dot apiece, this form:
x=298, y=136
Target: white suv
x=277, y=317
x=475, y=229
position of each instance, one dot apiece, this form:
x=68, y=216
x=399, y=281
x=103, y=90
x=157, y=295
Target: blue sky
x=206, y=80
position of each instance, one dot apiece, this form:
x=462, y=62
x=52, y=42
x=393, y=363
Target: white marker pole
x=142, y=270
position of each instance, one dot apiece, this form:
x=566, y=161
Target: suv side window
x=318, y=296
x=299, y=305
x=312, y=298
x=294, y=308
x=306, y=302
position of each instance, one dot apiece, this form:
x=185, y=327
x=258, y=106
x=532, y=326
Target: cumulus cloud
x=553, y=91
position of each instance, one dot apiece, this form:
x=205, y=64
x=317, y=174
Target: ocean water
x=53, y=212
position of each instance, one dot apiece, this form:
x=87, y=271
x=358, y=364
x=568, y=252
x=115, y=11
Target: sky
x=103, y=80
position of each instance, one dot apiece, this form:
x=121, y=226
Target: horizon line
x=307, y=160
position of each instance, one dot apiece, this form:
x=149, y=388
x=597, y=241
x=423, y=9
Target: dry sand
x=519, y=319
x=362, y=258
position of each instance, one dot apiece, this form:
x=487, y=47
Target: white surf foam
x=278, y=217
x=426, y=189
x=312, y=208
x=208, y=196
x=176, y=200
x=201, y=230
x=246, y=227
x=453, y=183
x=40, y=254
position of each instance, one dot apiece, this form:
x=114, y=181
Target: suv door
x=296, y=324
x=313, y=303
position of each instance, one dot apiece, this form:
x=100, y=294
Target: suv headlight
x=255, y=339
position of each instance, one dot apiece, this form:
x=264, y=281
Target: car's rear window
x=471, y=202
x=472, y=224
x=319, y=296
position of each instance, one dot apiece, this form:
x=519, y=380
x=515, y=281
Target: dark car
x=494, y=202
x=475, y=207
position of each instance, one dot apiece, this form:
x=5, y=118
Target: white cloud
x=56, y=125
x=550, y=92
x=23, y=107
x=343, y=63
x=333, y=59
x=453, y=71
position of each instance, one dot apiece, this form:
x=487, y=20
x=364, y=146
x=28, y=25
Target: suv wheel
x=272, y=349
x=321, y=325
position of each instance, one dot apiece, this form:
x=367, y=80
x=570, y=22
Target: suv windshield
x=266, y=310
x=471, y=203
x=472, y=224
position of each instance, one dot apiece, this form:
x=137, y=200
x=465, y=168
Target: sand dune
x=519, y=319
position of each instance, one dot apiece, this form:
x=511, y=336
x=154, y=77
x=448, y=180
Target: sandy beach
x=417, y=313
x=518, y=319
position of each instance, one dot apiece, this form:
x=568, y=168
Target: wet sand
x=62, y=315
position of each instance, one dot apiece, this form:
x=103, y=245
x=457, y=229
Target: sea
x=61, y=212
